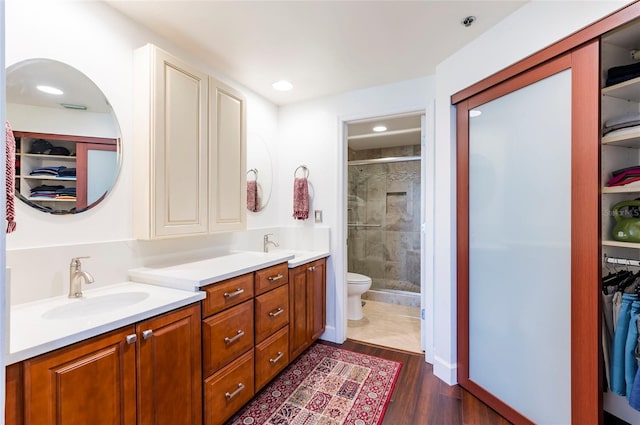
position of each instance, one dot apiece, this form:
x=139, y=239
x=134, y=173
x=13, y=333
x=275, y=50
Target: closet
x=538, y=224
x=620, y=153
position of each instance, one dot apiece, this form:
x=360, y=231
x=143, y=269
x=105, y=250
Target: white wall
x=311, y=134
x=529, y=29
x=99, y=42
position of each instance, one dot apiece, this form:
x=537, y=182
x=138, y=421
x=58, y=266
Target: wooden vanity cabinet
x=245, y=338
x=307, y=295
x=144, y=374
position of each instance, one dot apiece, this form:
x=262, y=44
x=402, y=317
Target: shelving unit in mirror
x=63, y=174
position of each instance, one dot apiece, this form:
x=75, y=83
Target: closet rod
x=622, y=261
x=383, y=160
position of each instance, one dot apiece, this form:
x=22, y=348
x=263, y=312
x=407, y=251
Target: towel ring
x=255, y=173
x=305, y=171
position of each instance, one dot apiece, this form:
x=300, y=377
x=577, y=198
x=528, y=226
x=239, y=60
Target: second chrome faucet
x=267, y=242
x=76, y=275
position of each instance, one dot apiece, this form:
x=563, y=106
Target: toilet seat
x=357, y=278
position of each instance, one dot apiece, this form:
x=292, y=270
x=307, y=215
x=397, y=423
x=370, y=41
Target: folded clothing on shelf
x=624, y=176
x=623, y=121
x=619, y=74
x=55, y=171
x=53, y=191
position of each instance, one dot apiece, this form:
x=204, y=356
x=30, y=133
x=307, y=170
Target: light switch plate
x=317, y=214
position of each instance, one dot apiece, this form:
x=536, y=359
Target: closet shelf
x=629, y=140
x=627, y=90
x=49, y=178
x=621, y=244
x=621, y=189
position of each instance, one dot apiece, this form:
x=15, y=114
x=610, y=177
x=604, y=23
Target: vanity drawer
x=227, y=293
x=228, y=390
x=271, y=277
x=226, y=335
x=272, y=312
x=272, y=356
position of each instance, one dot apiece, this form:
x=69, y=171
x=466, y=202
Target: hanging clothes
x=618, y=349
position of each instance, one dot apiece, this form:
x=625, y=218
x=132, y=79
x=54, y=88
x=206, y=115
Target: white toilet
x=357, y=284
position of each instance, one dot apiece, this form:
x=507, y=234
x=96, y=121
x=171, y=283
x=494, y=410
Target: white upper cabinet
x=189, y=150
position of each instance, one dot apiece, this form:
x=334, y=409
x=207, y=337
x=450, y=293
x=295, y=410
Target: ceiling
x=321, y=47
x=401, y=130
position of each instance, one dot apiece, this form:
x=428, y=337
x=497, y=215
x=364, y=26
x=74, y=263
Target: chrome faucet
x=76, y=274
x=266, y=242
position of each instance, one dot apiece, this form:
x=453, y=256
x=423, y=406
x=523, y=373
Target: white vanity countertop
x=41, y=326
x=303, y=257
x=192, y=276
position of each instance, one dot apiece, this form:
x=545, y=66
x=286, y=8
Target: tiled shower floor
x=389, y=325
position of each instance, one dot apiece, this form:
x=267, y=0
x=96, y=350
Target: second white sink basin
x=92, y=306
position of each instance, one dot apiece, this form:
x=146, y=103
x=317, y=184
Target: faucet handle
x=76, y=260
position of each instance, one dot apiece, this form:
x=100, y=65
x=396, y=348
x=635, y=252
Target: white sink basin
x=101, y=304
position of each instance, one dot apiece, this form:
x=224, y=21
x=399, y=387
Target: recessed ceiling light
x=282, y=85
x=379, y=128
x=49, y=89
x=474, y=113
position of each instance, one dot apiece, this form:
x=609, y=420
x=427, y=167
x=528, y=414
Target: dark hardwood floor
x=420, y=398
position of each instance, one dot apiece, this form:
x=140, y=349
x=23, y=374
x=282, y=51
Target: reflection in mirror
x=259, y=170
x=67, y=137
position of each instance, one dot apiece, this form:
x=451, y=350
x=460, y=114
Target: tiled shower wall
x=384, y=219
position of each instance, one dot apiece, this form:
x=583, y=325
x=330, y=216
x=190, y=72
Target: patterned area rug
x=325, y=386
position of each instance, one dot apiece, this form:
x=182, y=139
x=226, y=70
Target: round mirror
x=259, y=173
x=67, y=137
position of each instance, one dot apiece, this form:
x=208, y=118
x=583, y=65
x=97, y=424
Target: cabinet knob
x=312, y=268
x=131, y=338
x=147, y=334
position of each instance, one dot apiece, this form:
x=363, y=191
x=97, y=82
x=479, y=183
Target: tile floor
x=388, y=325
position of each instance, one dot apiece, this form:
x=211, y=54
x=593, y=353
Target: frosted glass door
x=520, y=249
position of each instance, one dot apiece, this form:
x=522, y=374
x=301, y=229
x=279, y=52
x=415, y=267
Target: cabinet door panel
x=317, y=293
x=228, y=158
x=298, y=323
x=169, y=369
x=14, y=405
x=90, y=382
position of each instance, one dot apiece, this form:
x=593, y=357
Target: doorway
x=385, y=243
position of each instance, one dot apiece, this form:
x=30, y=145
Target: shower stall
x=383, y=216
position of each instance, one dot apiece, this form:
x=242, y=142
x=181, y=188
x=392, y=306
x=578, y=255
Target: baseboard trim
x=445, y=371
x=330, y=335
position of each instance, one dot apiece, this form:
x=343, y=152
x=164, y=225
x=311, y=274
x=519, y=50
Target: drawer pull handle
x=131, y=338
x=278, y=357
x=234, y=293
x=233, y=338
x=274, y=278
x=229, y=396
x=147, y=334
x=276, y=313
x=312, y=268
